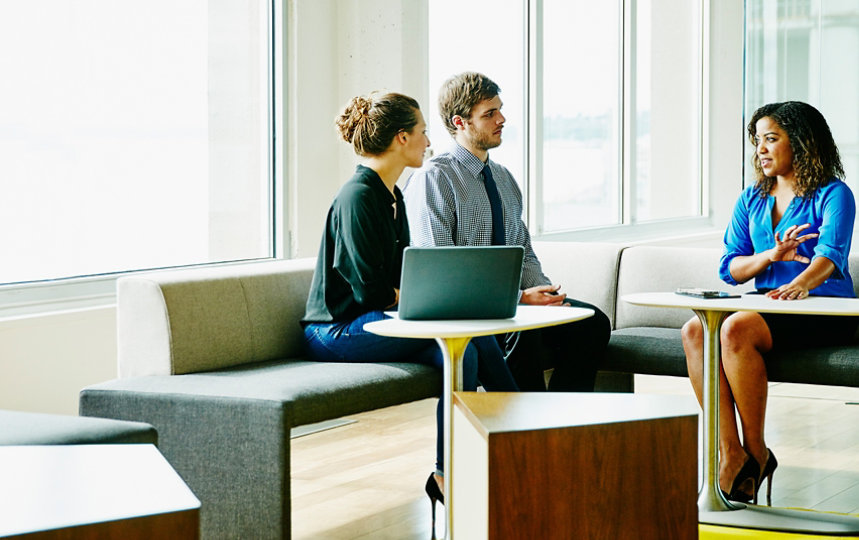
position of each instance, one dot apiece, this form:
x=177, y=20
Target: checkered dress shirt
x=447, y=205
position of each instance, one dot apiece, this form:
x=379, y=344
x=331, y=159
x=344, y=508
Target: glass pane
x=782, y=39
x=580, y=95
x=665, y=169
x=806, y=50
x=132, y=135
x=838, y=80
x=487, y=36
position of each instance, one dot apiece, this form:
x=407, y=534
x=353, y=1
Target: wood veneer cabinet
x=567, y=465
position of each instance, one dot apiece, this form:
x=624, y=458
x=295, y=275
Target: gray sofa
x=29, y=428
x=646, y=340
x=213, y=359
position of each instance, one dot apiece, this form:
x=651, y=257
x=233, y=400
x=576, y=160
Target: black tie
x=495, y=204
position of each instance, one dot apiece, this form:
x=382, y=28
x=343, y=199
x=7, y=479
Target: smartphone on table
x=699, y=292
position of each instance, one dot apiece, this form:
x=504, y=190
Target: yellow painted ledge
x=715, y=532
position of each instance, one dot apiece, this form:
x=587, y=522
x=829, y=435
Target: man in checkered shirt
x=462, y=198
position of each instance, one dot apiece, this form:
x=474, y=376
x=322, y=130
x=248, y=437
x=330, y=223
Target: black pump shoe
x=750, y=472
x=434, y=494
x=769, y=469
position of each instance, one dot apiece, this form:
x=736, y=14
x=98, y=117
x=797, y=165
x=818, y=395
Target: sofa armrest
x=586, y=271
x=201, y=319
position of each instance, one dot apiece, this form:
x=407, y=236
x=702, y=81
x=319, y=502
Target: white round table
x=712, y=506
x=453, y=337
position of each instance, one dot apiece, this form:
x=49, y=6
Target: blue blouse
x=830, y=211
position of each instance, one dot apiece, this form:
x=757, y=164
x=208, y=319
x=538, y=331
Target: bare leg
x=745, y=337
x=732, y=455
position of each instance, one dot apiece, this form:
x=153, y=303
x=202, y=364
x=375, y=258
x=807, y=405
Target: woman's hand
x=542, y=295
x=791, y=291
x=812, y=277
x=785, y=248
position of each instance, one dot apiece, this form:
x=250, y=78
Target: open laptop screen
x=460, y=282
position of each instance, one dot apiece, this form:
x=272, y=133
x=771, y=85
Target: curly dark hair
x=816, y=160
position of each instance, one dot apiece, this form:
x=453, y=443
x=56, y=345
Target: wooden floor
x=366, y=479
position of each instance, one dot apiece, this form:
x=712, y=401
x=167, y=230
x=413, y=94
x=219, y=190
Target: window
x=134, y=135
x=490, y=39
x=611, y=119
x=802, y=50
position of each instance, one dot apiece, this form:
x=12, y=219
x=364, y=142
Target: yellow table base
x=712, y=532
x=717, y=532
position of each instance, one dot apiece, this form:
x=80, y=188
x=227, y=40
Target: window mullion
x=628, y=151
x=534, y=114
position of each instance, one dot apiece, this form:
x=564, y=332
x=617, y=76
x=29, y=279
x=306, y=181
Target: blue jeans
x=346, y=341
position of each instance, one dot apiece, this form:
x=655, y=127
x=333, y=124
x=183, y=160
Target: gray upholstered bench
x=647, y=340
x=213, y=358
x=26, y=428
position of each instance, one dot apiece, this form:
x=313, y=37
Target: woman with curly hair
x=791, y=231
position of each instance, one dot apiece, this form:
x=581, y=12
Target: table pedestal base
x=785, y=520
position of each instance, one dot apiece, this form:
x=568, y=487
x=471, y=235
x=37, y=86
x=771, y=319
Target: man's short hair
x=460, y=93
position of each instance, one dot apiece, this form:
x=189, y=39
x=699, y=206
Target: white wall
x=340, y=49
x=336, y=49
x=45, y=360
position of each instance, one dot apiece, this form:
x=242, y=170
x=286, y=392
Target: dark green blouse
x=361, y=252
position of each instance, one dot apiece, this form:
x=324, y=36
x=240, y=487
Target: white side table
x=712, y=506
x=453, y=337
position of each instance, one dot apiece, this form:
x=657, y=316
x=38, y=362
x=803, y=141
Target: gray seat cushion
x=313, y=391
x=26, y=428
x=659, y=351
x=647, y=350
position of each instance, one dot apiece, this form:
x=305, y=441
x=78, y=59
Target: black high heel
x=434, y=494
x=769, y=469
x=750, y=471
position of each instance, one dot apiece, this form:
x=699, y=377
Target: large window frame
x=630, y=228
x=24, y=298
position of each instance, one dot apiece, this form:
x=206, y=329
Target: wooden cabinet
x=566, y=465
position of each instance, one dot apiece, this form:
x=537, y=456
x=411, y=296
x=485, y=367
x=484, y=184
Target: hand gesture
x=791, y=291
x=785, y=248
x=543, y=295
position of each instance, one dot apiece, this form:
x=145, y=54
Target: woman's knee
x=742, y=331
x=692, y=333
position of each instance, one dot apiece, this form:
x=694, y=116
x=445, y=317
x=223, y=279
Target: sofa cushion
x=659, y=351
x=586, y=271
x=647, y=350
x=193, y=320
x=26, y=428
x=661, y=269
x=314, y=391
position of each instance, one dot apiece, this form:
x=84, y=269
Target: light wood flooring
x=366, y=479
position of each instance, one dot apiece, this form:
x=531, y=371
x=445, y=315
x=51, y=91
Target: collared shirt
x=830, y=211
x=447, y=205
x=361, y=253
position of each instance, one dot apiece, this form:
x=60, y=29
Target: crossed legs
x=744, y=338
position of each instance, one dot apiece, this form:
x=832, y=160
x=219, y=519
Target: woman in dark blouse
x=357, y=273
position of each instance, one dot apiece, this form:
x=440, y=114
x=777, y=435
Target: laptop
x=460, y=282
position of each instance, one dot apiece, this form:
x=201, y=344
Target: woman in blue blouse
x=357, y=276
x=791, y=231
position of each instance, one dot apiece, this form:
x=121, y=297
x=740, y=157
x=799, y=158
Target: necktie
x=495, y=205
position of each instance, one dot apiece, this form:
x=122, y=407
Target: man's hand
x=543, y=295
x=785, y=248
